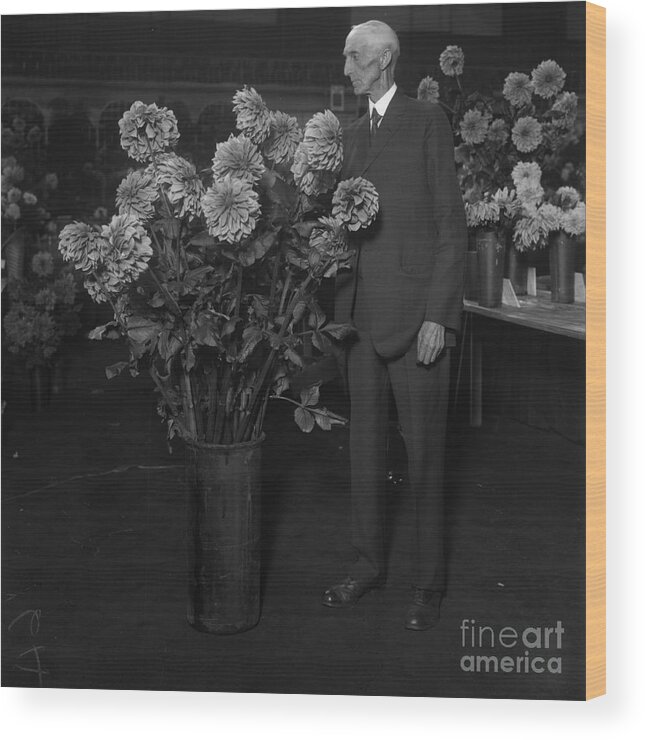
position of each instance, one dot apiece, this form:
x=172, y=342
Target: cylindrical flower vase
x=562, y=259
x=490, y=257
x=224, y=485
x=471, y=277
x=517, y=270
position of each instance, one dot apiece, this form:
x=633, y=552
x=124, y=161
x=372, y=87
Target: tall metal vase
x=490, y=258
x=224, y=484
x=562, y=262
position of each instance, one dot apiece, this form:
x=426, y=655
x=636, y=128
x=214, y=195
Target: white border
x=105, y=714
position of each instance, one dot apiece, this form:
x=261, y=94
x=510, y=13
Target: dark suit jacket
x=410, y=260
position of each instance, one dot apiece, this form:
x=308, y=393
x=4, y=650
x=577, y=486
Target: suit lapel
x=391, y=122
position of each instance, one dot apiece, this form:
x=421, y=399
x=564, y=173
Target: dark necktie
x=374, y=121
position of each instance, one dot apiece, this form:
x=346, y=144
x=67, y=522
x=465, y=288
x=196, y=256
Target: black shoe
x=346, y=593
x=424, y=611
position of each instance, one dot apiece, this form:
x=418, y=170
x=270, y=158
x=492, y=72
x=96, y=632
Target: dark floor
x=94, y=590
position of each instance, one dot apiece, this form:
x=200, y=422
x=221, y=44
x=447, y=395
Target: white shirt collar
x=383, y=102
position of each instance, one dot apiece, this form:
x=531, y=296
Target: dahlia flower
x=324, y=140
x=527, y=234
x=507, y=201
x=327, y=239
x=548, y=79
x=549, y=217
x=253, y=116
x=231, y=208
x=428, y=90
x=95, y=289
x=311, y=182
x=147, y=130
x=83, y=245
x=136, y=195
x=525, y=173
x=567, y=104
x=518, y=89
x=238, y=157
x=129, y=250
x=497, y=132
x=567, y=198
x=42, y=264
x=284, y=139
x=451, y=61
x=474, y=126
x=12, y=212
x=574, y=222
x=481, y=213
x=527, y=134
x=183, y=186
x=355, y=203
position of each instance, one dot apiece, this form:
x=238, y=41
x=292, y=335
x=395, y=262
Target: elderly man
x=404, y=297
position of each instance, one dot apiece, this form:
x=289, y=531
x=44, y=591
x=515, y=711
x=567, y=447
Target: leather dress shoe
x=424, y=610
x=345, y=594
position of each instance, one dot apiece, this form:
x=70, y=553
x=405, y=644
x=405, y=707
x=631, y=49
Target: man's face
x=362, y=64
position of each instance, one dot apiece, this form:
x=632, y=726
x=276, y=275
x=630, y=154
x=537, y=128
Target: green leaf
x=323, y=421
x=252, y=335
x=338, y=331
x=304, y=419
x=293, y=357
x=310, y=396
x=113, y=370
x=203, y=239
x=106, y=331
x=141, y=330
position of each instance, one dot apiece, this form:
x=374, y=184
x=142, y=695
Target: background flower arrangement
x=212, y=276
x=511, y=146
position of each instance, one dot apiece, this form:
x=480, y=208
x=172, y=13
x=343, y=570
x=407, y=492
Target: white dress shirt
x=382, y=103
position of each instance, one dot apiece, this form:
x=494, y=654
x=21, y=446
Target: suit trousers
x=421, y=397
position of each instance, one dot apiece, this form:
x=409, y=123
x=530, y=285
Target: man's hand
x=430, y=342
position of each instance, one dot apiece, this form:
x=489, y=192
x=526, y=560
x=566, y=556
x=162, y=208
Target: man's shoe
x=345, y=594
x=424, y=611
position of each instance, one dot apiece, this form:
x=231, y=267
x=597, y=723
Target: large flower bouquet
x=510, y=144
x=212, y=277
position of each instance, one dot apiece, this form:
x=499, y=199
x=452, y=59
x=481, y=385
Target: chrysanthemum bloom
x=284, y=139
x=147, y=130
x=83, y=245
x=527, y=134
x=574, y=222
x=14, y=195
x=526, y=173
x=548, y=79
x=451, y=61
x=567, y=105
x=497, y=132
x=46, y=298
x=11, y=172
x=567, y=198
x=355, y=203
x=474, y=126
x=253, y=116
x=549, y=217
x=324, y=140
x=482, y=213
x=129, y=251
x=42, y=264
x=238, y=157
x=506, y=199
x=529, y=193
x=183, y=187
x=518, y=89
x=12, y=212
x=527, y=234
x=231, y=209
x=136, y=195
x=311, y=183
x=428, y=90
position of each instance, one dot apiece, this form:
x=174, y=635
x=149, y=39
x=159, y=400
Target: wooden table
x=534, y=312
